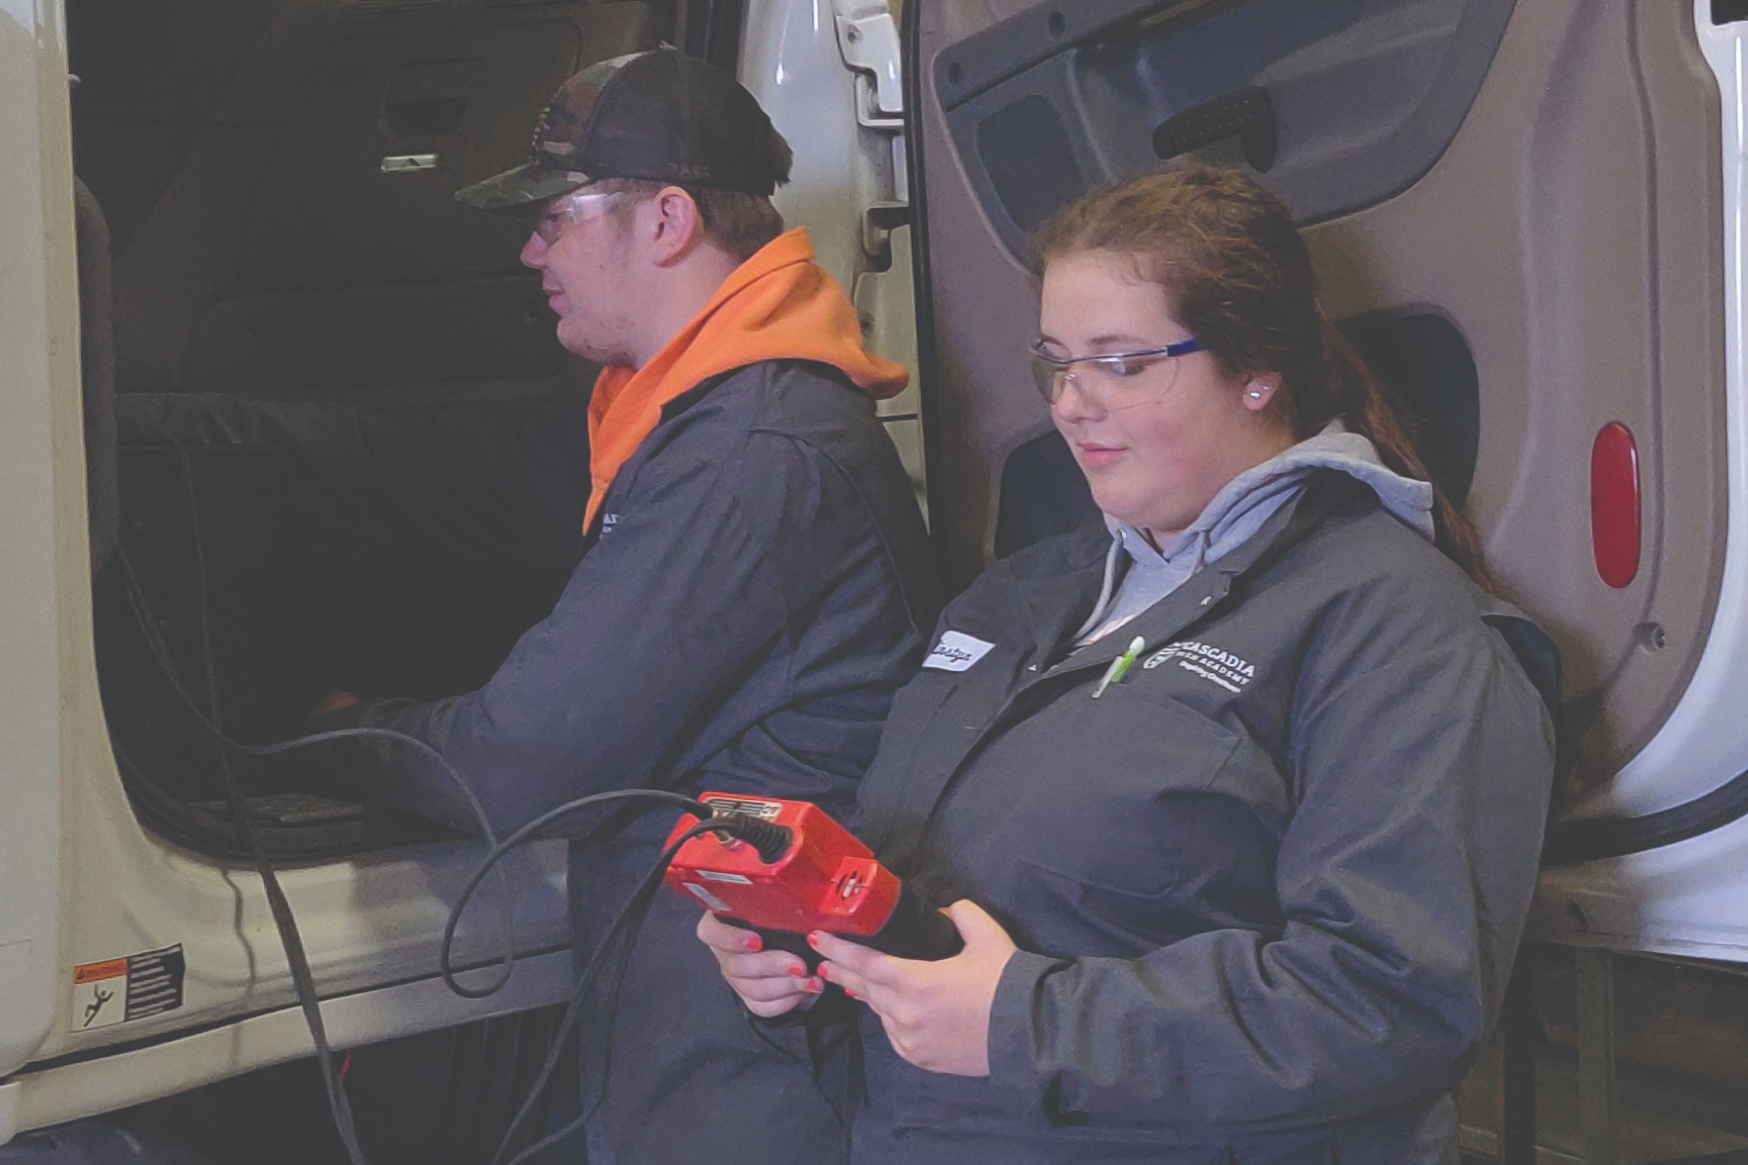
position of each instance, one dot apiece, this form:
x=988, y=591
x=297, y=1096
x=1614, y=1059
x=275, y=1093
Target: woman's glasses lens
x=1047, y=375
x=1112, y=380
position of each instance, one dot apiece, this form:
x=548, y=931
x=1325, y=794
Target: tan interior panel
x=1572, y=233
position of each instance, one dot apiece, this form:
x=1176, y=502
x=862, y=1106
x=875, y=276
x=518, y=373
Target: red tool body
x=825, y=880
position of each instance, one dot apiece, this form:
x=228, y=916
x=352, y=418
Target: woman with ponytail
x=1238, y=795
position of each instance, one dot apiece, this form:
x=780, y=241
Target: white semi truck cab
x=279, y=416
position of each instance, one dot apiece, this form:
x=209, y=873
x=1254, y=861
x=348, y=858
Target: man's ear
x=674, y=225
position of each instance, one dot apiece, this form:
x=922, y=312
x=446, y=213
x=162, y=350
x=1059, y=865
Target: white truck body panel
x=1688, y=898
x=80, y=880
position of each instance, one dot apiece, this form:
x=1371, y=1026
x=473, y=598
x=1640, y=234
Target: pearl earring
x=1256, y=396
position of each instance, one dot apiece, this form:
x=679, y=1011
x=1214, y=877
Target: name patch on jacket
x=1205, y=660
x=957, y=651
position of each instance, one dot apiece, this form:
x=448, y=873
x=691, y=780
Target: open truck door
x=281, y=417
x=1527, y=214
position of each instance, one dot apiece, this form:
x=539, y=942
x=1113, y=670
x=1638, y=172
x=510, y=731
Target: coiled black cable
x=769, y=840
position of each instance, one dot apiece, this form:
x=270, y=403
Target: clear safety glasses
x=571, y=209
x=1111, y=380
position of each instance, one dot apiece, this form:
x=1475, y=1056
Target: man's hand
x=936, y=1014
x=335, y=701
x=770, y=983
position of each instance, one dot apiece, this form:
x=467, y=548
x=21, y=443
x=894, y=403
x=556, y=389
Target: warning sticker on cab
x=114, y=991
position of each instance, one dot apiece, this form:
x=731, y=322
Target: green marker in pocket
x=1120, y=666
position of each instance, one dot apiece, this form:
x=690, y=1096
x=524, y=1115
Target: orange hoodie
x=778, y=305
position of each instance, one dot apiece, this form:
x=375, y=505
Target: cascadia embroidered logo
x=1203, y=659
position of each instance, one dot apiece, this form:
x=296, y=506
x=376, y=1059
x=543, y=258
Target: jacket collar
x=1060, y=604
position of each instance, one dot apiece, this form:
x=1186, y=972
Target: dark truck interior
x=333, y=440
x=330, y=428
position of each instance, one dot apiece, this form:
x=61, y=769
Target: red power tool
x=798, y=870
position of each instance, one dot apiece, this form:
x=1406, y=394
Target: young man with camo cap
x=755, y=580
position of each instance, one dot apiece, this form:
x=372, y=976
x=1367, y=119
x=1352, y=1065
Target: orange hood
x=778, y=305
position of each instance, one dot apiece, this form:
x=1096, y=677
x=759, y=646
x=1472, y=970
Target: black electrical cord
x=629, y=919
x=167, y=664
x=770, y=841
x=279, y=905
x=613, y=944
x=277, y=902
x=532, y=831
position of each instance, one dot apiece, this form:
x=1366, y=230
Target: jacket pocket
x=1095, y=807
x=1067, y=914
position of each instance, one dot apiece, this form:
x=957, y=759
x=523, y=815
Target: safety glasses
x=571, y=209
x=1114, y=379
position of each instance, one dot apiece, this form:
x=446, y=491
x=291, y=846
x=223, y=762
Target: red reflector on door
x=1614, y=504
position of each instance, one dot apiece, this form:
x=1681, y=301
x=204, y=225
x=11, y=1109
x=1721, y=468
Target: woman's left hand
x=936, y=1014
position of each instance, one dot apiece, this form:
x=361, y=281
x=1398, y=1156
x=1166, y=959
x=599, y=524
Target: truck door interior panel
x=1494, y=213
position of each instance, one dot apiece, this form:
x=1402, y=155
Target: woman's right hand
x=770, y=983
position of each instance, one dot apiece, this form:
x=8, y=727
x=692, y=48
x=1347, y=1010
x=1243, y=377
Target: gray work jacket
x=757, y=587
x=1266, y=888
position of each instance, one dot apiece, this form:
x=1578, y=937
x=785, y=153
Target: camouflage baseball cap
x=659, y=115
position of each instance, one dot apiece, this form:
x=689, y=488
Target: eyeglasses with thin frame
x=1112, y=379
x=571, y=209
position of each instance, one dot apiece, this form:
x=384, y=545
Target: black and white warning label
x=154, y=982
x=115, y=991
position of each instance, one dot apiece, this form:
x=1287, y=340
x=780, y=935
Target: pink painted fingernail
x=848, y=992
x=752, y=942
x=813, y=938
x=798, y=970
x=815, y=985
